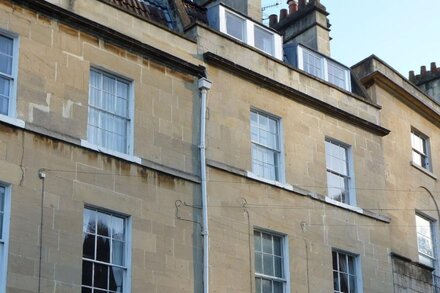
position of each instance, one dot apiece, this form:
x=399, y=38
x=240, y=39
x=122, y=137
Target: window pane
x=343, y=263
x=336, y=74
x=258, y=285
x=351, y=264
x=118, y=252
x=5, y=64
x=103, y=249
x=266, y=286
x=89, y=246
x=336, y=280
x=257, y=241
x=336, y=187
x=87, y=273
x=258, y=262
x=312, y=63
x=277, y=245
x=5, y=87
x=277, y=287
x=86, y=290
x=263, y=40
x=335, y=261
x=101, y=276
x=104, y=222
x=278, y=267
x=344, y=283
x=6, y=52
x=268, y=268
x=116, y=279
x=267, y=243
x=89, y=224
x=235, y=26
x=352, y=284
x=417, y=158
x=118, y=228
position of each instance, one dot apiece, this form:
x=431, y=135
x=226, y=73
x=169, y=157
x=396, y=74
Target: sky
x=403, y=33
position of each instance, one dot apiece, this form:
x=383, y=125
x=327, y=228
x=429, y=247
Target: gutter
x=204, y=85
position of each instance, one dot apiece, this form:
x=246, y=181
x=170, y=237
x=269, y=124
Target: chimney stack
x=306, y=23
x=412, y=76
x=423, y=70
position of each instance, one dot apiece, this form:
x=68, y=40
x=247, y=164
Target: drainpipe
x=204, y=85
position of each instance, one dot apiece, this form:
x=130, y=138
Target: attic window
x=245, y=30
x=322, y=67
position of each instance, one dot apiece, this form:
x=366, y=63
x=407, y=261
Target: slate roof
x=161, y=11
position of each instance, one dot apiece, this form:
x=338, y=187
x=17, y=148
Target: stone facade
x=53, y=175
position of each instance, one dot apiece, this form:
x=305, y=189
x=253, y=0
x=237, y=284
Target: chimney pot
x=423, y=70
x=293, y=6
x=433, y=67
x=273, y=20
x=412, y=76
x=283, y=14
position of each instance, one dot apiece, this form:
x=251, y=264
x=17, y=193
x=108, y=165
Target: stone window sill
x=423, y=170
x=12, y=121
x=127, y=157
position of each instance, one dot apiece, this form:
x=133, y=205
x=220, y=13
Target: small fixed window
x=235, y=26
x=105, y=261
x=425, y=240
x=109, y=114
x=8, y=74
x=338, y=171
x=344, y=273
x=323, y=67
x=420, y=150
x=312, y=63
x=270, y=275
x=264, y=40
x=266, y=151
x=337, y=74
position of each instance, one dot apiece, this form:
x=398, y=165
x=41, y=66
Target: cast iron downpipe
x=204, y=85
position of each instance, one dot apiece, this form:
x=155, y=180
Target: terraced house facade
x=184, y=146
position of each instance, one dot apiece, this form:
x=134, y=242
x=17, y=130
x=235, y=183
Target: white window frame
x=127, y=249
x=351, y=188
x=423, y=258
x=280, y=174
x=249, y=34
x=357, y=267
x=4, y=241
x=426, y=158
x=324, y=66
x=12, y=107
x=131, y=102
x=285, y=259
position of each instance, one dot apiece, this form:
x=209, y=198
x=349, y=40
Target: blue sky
x=404, y=33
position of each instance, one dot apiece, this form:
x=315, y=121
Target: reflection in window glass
x=104, y=265
x=264, y=40
x=424, y=240
x=6, y=74
x=337, y=171
x=269, y=263
x=344, y=272
x=420, y=155
x=235, y=26
x=265, y=145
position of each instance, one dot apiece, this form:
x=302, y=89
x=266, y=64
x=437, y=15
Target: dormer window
x=320, y=66
x=235, y=26
x=245, y=30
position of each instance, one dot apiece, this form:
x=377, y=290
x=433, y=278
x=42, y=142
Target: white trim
x=4, y=252
x=343, y=205
x=130, y=158
x=350, y=170
x=285, y=258
x=13, y=121
x=249, y=33
x=12, y=112
x=324, y=66
x=268, y=181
